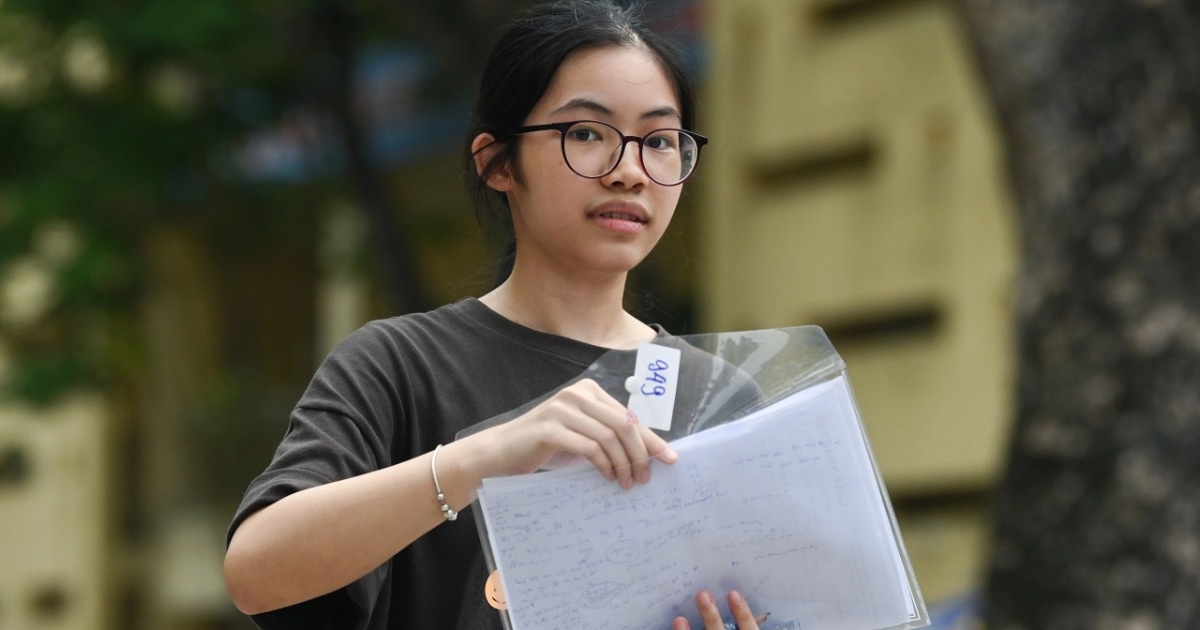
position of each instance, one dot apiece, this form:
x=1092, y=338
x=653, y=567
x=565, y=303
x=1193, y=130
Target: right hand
x=579, y=420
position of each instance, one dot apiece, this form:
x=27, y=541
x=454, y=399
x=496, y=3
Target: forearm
x=323, y=538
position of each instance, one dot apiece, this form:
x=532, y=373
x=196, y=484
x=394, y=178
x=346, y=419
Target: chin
x=610, y=260
x=621, y=264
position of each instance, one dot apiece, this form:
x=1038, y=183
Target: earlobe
x=484, y=150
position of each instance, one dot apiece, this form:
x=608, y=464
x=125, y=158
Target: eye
x=583, y=133
x=662, y=141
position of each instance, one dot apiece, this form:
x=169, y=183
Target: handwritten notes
x=783, y=505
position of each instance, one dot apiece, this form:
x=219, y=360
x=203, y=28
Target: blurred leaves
x=115, y=118
x=119, y=118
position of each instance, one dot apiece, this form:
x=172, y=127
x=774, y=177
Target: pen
x=731, y=625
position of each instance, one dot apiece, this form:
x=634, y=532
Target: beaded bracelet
x=447, y=513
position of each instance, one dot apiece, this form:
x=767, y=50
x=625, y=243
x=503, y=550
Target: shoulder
x=406, y=332
x=452, y=339
x=377, y=357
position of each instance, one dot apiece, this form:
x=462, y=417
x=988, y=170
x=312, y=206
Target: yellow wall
x=859, y=189
x=55, y=516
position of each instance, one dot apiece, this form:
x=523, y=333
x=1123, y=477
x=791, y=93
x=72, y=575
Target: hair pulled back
x=519, y=71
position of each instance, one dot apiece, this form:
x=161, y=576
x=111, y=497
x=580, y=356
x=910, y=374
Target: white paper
x=654, y=385
x=783, y=506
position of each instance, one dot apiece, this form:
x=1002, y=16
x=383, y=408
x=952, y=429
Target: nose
x=628, y=172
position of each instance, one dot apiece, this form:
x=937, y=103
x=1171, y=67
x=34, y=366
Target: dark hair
x=518, y=72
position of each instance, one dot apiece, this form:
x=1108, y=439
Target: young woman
x=579, y=143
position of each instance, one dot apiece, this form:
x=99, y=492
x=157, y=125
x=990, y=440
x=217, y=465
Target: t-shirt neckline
x=572, y=349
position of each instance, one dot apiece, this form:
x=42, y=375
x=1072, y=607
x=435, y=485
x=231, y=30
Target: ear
x=484, y=150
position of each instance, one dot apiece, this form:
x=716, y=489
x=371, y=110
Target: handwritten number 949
x=656, y=376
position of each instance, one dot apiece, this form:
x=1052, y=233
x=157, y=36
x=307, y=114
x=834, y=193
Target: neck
x=591, y=311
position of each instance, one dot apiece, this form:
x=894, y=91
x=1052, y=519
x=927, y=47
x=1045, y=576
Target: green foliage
x=115, y=118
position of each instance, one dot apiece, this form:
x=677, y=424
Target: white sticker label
x=654, y=384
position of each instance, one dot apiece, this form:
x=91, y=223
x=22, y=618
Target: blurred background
x=988, y=206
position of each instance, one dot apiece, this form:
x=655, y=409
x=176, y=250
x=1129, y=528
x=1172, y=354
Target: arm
x=323, y=538
x=320, y=539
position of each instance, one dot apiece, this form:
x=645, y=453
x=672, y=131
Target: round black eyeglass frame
x=563, y=127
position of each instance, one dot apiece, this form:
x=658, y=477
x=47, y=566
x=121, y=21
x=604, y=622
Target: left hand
x=711, y=615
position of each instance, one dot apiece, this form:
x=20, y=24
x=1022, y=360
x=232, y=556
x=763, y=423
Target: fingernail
x=736, y=598
x=706, y=599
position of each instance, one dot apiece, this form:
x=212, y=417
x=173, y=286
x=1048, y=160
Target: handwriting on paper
x=788, y=513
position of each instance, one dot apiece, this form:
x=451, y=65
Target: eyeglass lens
x=593, y=149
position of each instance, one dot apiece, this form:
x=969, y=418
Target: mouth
x=620, y=211
x=620, y=216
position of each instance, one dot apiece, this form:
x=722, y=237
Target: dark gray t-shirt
x=394, y=390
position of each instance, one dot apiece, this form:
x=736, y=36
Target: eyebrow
x=593, y=106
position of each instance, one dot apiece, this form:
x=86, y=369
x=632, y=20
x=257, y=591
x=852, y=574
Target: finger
x=587, y=425
x=596, y=453
x=658, y=447
x=563, y=438
x=633, y=443
x=741, y=611
x=709, y=613
x=581, y=409
x=680, y=623
x=634, y=435
x=625, y=426
x=602, y=419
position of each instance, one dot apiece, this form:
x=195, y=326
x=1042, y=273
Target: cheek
x=669, y=200
x=541, y=160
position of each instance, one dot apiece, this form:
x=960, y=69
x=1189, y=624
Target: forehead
x=629, y=81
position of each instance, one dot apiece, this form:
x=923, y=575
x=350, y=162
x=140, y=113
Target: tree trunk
x=394, y=249
x=1097, y=521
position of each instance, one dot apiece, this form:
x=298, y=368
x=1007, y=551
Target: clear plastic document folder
x=775, y=494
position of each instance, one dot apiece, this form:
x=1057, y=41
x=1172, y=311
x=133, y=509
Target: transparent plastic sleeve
x=776, y=494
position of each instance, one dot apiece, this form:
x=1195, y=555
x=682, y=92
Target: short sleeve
x=343, y=426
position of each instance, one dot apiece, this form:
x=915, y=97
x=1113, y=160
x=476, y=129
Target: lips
x=623, y=216
x=621, y=211
x=620, y=217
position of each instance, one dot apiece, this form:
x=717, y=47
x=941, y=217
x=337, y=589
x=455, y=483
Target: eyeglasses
x=592, y=149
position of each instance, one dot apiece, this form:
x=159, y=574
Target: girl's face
x=572, y=225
